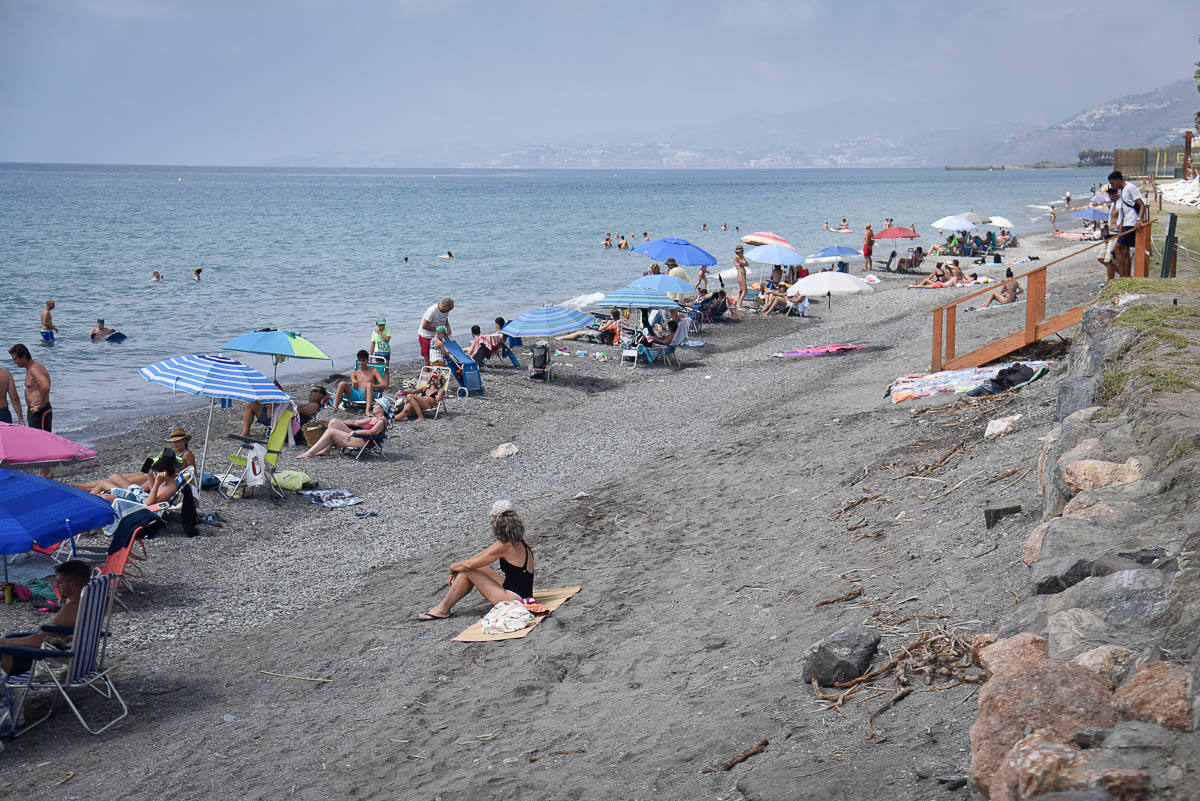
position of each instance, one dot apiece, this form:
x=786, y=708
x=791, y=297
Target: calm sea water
x=324, y=252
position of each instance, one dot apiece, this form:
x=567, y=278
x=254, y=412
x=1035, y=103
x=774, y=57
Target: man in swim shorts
x=363, y=384
x=868, y=244
x=1130, y=202
x=9, y=399
x=435, y=315
x=37, y=387
x=48, y=327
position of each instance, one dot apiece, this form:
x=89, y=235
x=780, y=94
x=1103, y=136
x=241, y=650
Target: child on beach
x=381, y=344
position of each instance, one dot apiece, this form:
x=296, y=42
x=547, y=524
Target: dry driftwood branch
x=290, y=676
x=536, y=757
x=743, y=756
x=854, y=593
x=870, y=535
x=1002, y=476
x=941, y=461
x=886, y=704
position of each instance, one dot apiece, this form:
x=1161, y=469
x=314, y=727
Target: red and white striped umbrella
x=767, y=238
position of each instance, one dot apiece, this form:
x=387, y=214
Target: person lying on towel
x=475, y=573
x=69, y=580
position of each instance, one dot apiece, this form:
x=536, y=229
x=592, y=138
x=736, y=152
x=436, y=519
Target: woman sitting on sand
x=1008, y=292
x=516, y=564
x=935, y=280
x=416, y=404
x=344, y=434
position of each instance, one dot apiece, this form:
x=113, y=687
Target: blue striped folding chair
x=84, y=661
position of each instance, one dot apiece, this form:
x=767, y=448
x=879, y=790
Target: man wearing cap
x=436, y=315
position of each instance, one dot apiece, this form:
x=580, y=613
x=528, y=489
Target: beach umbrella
x=767, y=238
x=42, y=511
x=663, y=283
x=897, y=232
x=547, y=321
x=637, y=298
x=827, y=284
x=953, y=223
x=213, y=377
x=1000, y=222
x=280, y=344
x=1090, y=214
x=775, y=254
x=22, y=447
x=834, y=254
x=978, y=219
x=681, y=250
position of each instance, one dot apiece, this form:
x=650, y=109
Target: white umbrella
x=1000, y=222
x=953, y=223
x=829, y=283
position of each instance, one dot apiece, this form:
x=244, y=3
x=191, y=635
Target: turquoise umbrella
x=547, y=321
x=280, y=344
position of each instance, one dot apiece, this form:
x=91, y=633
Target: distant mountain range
x=811, y=139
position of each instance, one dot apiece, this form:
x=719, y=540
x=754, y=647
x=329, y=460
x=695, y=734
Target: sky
x=251, y=83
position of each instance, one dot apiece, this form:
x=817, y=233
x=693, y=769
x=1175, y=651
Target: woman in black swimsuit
x=516, y=563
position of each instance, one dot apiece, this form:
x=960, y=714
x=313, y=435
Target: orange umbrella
x=767, y=238
x=896, y=232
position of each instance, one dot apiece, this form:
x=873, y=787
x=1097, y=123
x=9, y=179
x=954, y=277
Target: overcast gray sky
x=176, y=82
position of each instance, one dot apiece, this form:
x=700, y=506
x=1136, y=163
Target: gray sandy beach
x=705, y=511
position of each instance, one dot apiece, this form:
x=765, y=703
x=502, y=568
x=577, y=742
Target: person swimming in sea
x=101, y=331
x=156, y=276
x=446, y=255
x=196, y=273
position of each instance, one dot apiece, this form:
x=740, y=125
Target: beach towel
x=995, y=306
x=331, y=498
x=551, y=599
x=921, y=385
x=823, y=350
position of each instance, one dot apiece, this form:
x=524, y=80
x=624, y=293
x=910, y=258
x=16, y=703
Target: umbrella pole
x=829, y=322
x=204, y=453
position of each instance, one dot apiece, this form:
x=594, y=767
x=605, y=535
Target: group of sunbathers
x=945, y=275
x=156, y=481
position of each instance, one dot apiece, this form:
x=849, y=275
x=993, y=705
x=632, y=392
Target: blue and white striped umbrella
x=635, y=298
x=214, y=377
x=547, y=321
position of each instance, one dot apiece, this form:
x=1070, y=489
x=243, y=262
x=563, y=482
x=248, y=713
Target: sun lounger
x=466, y=371
x=84, y=661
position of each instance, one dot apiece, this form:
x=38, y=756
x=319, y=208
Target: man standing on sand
x=9, y=399
x=1108, y=258
x=37, y=388
x=435, y=315
x=868, y=244
x=49, y=329
x=1132, y=206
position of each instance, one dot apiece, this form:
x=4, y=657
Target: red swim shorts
x=424, y=347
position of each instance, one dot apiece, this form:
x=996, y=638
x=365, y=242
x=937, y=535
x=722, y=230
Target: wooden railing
x=945, y=317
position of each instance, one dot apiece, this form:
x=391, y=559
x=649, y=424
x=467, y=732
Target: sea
x=323, y=252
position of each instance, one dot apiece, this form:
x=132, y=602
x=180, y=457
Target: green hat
x=381, y=320
x=441, y=329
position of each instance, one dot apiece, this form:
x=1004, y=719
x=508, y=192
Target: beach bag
x=313, y=430
x=506, y=617
x=255, y=466
x=292, y=479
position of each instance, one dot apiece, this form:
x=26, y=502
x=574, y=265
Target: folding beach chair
x=372, y=443
x=84, y=661
x=231, y=482
x=123, y=564
x=422, y=382
x=466, y=371
x=540, y=362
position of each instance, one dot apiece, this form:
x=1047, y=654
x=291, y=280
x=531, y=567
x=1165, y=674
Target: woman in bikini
x=416, y=404
x=740, y=262
x=935, y=280
x=158, y=486
x=345, y=435
x=516, y=564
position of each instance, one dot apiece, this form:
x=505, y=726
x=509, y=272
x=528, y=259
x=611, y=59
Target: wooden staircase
x=945, y=317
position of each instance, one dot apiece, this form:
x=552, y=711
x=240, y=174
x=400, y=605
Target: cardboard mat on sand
x=551, y=599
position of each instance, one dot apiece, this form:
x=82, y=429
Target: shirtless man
x=69, y=580
x=49, y=329
x=622, y=244
x=101, y=331
x=363, y=383
x=9, y=399
x=37, y=387
x=607, y=243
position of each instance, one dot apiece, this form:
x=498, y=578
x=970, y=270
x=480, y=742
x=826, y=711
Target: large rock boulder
x=1072, y=631
x=1043, y=763
x=1129, y=598
x=1110, y=661
x=844, y=655
x=1157, y=693
x=1094, y=474
x=1027, y=689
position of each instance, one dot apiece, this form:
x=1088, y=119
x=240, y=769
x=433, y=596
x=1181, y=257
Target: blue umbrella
x=36, y=510
x=775, y=254
x=214, y=377
x=663, y=283
x=280, y=344
x=681, y=250
x=637, y=298
x=836, y=253
x=547, y=321
x=1090, y=214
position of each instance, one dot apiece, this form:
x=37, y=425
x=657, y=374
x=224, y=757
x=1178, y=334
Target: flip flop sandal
x=425, y=617
x=362, y=515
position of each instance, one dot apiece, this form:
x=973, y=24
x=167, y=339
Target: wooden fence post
x=1141, y=255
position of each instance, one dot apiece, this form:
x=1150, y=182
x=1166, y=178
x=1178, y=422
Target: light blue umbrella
x=214, y=377
x=43, y=511
x=835, y=253
x=1090, y=214
x=775, y=254
x=681, y=250
x=547, y=321
x=637, y=298
x=280, y=344
x=663, y=283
